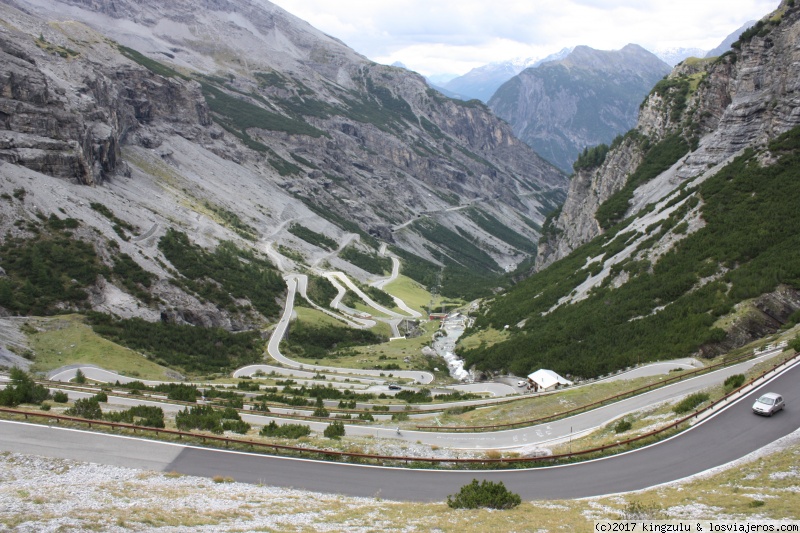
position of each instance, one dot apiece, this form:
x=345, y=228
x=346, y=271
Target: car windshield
x=766, y=400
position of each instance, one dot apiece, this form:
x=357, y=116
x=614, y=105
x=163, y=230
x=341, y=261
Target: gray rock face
x=762, y=317
x=192, y=116
x=588, y=98
x=576, y=224
x=75, y=131
x=391, y=148
x=743, y=99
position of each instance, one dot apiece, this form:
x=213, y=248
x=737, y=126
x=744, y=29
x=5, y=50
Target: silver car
x=768, y=404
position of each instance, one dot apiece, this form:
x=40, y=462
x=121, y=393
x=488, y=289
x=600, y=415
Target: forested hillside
x=738, y=235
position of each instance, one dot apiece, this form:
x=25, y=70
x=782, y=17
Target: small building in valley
x=546, y=380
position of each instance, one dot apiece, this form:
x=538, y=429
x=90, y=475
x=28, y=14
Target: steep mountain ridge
x=234, y=121
x=678, y=239
x=722, y=106
x=589, y=97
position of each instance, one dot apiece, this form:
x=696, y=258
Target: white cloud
x=435, y=36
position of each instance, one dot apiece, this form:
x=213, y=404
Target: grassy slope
x=370, y=356
x=412, y=293
x=66, y=340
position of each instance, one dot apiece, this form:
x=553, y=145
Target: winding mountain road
x=727, y=435
x=273, y=348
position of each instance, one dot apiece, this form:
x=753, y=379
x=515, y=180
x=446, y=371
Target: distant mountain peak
x=585, y=99
x=674, y=55
x=481, y=82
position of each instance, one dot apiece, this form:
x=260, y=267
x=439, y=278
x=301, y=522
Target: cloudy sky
x=449, y=36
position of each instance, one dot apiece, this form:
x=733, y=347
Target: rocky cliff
x=132, y=123
x=718, y=106
x=589, y=97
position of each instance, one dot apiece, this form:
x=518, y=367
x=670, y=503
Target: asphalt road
x=524, y=439
x=724, y=437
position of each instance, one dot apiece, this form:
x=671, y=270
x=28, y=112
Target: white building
x=546, y=380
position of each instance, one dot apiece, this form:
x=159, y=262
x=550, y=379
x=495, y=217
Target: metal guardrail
x=432, y=460
x=587, y=407
x=393, y=408
x=338, y=410
x=211, y=403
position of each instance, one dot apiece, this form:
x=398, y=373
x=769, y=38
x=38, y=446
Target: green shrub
x=459, y=247
x=690, y=402
x=203, y=417
x=286, y=431
x=60, y=397
x=492, y=226
x=233, y=221
x=237, y=426
x=335, y=430
x=622, y=426
x=101, y=397
x=134, y=278
x=320, y=290
x=80, y=377
x=141, y=415
x=734, y=382
x=150, y=64
x=484, y=494
x=637, y=510
x=400, y=417
x=85, y=408
x=657, y=159
x=238, y=115
x=178, y=391
x=453, y=281
x=22, y=389
x=378, y=296
x=410, y=396
x=207, y=418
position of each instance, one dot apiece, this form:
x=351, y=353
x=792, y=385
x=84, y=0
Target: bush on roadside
x=286, y=431
x=690, y=402
x=88, y=408
x=141, y=415
x=734, y=382
x=237, y=426
x=60, y=397
x=321, y=412
x=335, y=430
x=484, y=494
x=622, y=426
x=22, y=389
x=400, y=417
